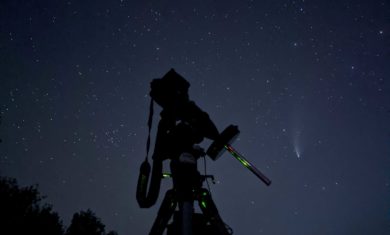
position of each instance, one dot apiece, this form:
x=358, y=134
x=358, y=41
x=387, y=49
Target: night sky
x=307, y=82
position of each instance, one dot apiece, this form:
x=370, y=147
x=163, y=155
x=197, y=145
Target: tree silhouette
x=21, y=212
x=112, y=233
x=85, y=223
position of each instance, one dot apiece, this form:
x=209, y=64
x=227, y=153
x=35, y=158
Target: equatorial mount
x=182, y=126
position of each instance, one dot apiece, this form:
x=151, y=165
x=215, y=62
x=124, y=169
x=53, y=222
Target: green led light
x=166, y=175
x=245, y=163
x=143, y=178
x=143, y=183
x=203, y=203
x=237, y=156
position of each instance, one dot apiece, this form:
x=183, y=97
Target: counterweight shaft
x=247, y=164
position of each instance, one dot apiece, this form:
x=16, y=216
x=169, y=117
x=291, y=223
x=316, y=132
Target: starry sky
x=307, y=82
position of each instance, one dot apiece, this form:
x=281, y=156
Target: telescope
x=183, y=125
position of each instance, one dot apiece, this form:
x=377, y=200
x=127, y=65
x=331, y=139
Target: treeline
x=23, y=212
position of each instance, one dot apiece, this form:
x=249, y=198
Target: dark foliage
x=21, y=212
x=85, y=223
x=112, y=233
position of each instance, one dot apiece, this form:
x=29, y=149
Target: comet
x=297, y=146
x=297, y=151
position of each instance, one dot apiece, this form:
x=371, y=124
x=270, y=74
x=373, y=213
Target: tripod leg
x=209, y=209
x=164, y=213
x=186, y=209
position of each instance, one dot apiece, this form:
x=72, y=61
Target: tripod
x=187, y=188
